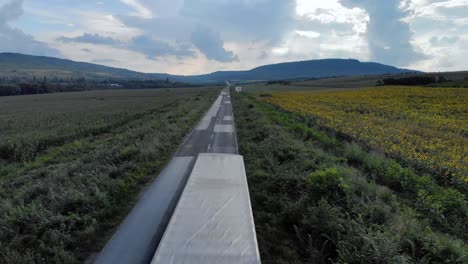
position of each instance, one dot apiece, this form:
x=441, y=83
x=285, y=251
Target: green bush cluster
x=327, y=183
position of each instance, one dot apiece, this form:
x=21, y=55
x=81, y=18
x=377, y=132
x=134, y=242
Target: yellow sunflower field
x=427, y=127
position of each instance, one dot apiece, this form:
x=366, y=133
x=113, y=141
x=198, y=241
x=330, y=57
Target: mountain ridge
x=18, y=65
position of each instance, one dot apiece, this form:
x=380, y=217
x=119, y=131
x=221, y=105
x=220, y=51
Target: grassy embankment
x=318, y=197
x=72, y=165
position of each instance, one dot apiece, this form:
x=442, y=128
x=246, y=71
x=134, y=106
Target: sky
x=201, y=36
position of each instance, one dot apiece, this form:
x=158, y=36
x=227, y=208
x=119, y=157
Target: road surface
x=213, y=221
x=137, y=238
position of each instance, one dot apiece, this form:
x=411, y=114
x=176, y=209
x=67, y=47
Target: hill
x=307, y=69
x=24, y=66
x=13, y=65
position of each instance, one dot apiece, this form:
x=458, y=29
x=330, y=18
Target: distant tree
x=414, y=80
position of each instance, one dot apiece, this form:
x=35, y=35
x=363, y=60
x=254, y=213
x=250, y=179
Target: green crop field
x=32, y=123
x=71, y=165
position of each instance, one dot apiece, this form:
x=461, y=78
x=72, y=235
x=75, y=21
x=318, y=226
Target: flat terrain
x=327, y=188
x=72, y=165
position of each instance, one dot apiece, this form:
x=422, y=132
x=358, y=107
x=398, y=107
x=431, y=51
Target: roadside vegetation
x=320, y=196
x=74, y=163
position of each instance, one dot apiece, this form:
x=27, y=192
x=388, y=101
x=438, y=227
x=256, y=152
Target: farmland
x=425, y=127
x=323, y=193
x=46, y=120
x=73, y=163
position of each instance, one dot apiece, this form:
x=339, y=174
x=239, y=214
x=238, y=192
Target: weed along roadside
x=318, y=197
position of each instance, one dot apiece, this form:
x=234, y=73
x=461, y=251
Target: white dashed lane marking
x=224, y=129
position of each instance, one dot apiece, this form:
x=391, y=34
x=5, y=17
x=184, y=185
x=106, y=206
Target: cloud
x=210, y=43
x=90, y=38
x=389, y=37
x=244, y=20
x=10, y=11
x=209, y=24
x=15, y=40
x=142, y=11
x=152, y=48
x=453, y=11
x=444, y=40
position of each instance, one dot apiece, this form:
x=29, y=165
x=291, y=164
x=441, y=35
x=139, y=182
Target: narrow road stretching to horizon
x=138, y=237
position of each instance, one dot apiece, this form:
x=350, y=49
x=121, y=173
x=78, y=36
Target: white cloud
x=332, y=12
x=142, y=11
x=440, y=30
x=107, y=25
x=307, y=34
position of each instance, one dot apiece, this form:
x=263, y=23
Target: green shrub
x=327, y=183
x=384, y=171
x=354, y=154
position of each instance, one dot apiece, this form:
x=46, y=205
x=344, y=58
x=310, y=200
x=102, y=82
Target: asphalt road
x=137, y=238
x=213, y=221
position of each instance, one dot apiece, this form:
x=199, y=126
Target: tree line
x=413, y=80
x=24, y=87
